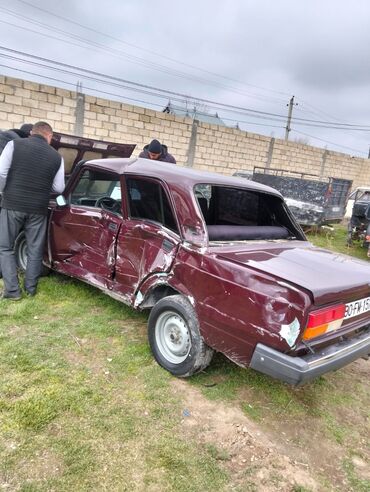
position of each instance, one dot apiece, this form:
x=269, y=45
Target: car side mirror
x=61, y=201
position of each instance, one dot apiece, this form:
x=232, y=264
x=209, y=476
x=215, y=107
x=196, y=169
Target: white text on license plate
x=357, y=307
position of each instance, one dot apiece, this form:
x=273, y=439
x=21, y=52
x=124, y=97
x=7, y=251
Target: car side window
x=364, y=196
x=98, y=189
x=148, y=200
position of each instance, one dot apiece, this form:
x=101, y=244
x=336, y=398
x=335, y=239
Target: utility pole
x=79, y=111
x=290, y=111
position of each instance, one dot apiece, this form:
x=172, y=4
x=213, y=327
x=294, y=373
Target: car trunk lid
x=330, y=277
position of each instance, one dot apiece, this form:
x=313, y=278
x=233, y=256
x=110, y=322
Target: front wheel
x=20, y=251
x=175, y=339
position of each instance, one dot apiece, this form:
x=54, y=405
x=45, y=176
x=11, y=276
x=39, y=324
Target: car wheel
x=20, y=250
x=175, y=339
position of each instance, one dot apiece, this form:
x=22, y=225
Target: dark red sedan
x=221, y=263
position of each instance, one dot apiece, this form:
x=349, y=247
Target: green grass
x=336, y=240
x=357, y=484
x=83, y=405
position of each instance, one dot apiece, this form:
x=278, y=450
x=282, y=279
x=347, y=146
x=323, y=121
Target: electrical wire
x=168, y=93
x=119, y=96
x=327, y=141
x=118, y=53
x=54, y=79
x=215, y=104
x=161, y=55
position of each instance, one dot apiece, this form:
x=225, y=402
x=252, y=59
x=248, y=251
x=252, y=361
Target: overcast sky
x=251, y=54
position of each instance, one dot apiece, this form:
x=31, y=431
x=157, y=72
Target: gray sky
x=252, y=54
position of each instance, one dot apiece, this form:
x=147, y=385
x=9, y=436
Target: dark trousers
x=34, y=226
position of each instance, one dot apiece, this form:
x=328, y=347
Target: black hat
x=26, y=128
x=155, y=147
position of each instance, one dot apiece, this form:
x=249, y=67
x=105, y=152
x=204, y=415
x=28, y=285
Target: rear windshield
x=238, y=213
x=237, y=206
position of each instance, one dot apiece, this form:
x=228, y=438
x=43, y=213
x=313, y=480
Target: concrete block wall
x=201, y=145
x=119, y=122
x=22, y=101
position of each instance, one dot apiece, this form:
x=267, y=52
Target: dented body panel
x=247, y=294
x=240, y=307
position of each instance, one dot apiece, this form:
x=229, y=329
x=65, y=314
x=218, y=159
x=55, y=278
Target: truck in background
x=358, y=208
x=314, y=201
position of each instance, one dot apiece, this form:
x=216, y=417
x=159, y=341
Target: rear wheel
x=20, y=250
x=175, y=338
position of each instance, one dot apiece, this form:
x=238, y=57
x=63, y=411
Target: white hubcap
x=172, y=337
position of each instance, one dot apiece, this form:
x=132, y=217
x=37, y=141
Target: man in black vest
x=13, y=134
x=29, y=170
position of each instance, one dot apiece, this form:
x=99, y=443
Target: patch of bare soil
x=42, y=466
x=256, y=458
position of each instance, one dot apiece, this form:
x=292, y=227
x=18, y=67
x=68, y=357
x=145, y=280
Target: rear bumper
x=300, y=370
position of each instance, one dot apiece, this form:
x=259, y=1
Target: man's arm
x=58, y=183
x=6, y=158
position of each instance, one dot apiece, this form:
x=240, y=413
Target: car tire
x=20, y=251
x=175, y=339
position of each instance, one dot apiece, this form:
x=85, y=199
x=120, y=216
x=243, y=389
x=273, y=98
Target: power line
x=94, y=90
x=85, y=87
x=147, y=92
x=118, y=53
x=185, y=97
x=319, y=123
x=317, y=111
x=327, y=141
x=162, y=56
x=167, y=92
x=72, y=84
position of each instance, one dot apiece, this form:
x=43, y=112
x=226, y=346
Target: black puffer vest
x=31, y=175
x=6, y=136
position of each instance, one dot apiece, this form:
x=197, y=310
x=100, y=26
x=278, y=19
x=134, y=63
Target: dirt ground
x=278, y=456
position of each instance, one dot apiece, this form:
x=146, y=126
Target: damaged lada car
x=220, y=262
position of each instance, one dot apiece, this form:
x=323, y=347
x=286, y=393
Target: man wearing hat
x=157, y=152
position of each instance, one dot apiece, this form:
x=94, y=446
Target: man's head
x=26, y=129
x=154, y=150
x=44, y=129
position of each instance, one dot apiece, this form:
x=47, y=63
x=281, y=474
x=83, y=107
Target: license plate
x=336, y=209
x=357, y=307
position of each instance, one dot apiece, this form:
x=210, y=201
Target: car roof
x=175, y=175
x=363, y=188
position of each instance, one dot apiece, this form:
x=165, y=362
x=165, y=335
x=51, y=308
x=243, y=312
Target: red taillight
x=327, y=315
x=324, y=320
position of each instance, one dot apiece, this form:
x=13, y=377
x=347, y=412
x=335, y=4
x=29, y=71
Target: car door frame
x=108, y=225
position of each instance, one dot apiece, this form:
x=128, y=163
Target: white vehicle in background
x=358, y=194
